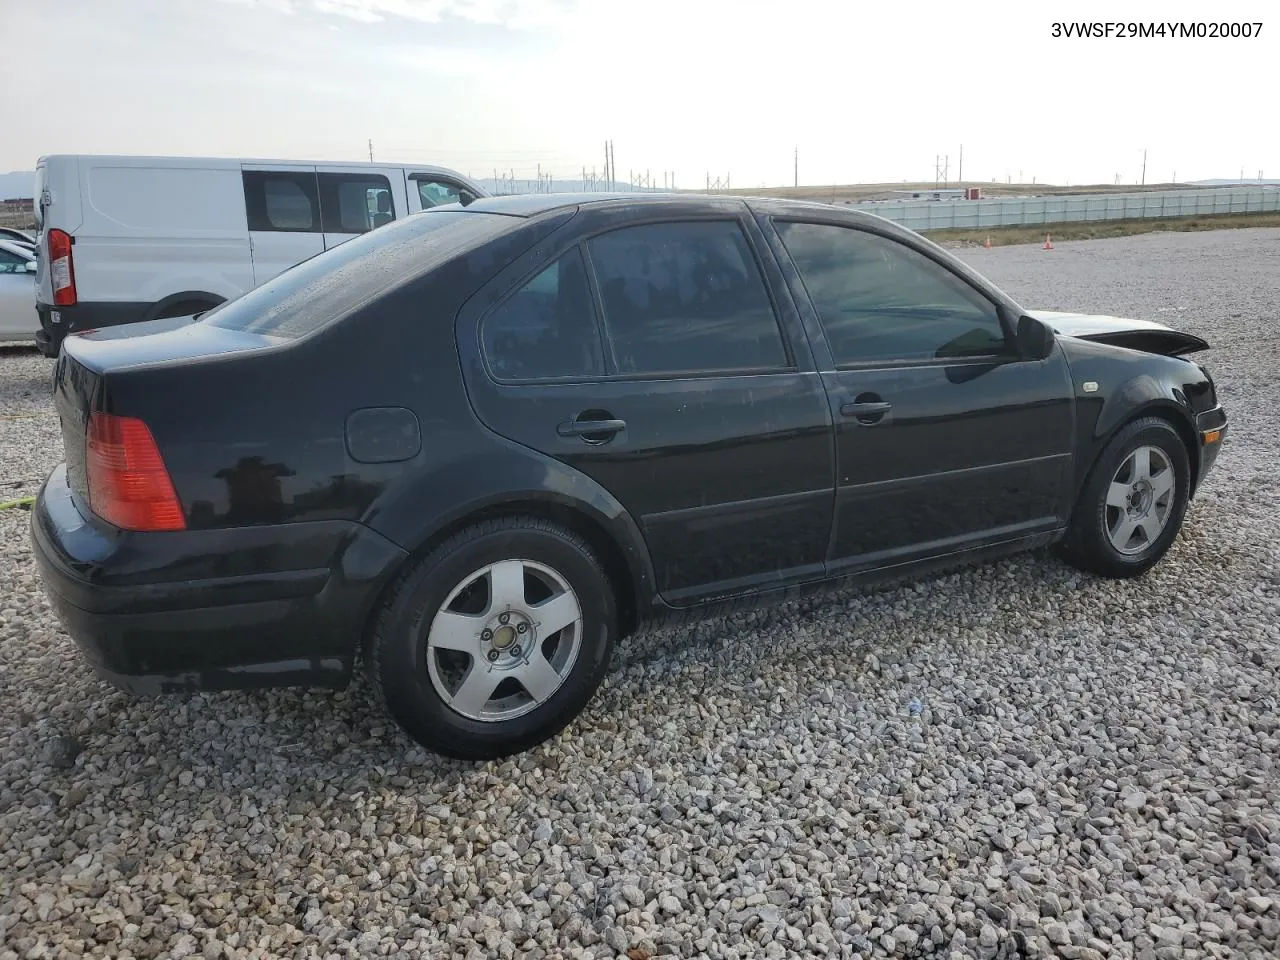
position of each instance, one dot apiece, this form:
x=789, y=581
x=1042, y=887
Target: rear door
x=659, y=359
x=282, y=203
x=946, y=439
x=355, y=200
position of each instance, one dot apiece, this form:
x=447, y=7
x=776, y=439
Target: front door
x=945, y=438
x=283, y=208
x=651, y=358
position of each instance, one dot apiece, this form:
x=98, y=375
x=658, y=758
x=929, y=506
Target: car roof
x=536, y=204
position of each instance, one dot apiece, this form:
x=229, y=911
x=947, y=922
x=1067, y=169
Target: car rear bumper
x=265, y=606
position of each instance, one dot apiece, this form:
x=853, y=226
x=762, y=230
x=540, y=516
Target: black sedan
x=475, y=448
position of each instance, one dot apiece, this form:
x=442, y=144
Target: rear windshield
x=331, y=284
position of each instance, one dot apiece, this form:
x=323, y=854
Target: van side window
x=354, y=202
x=282, y=200
x=433, y=192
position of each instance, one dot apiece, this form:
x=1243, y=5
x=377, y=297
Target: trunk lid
x=1143, y=335
x=91, y=362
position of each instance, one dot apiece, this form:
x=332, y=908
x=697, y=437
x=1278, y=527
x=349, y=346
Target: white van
x=126, y=239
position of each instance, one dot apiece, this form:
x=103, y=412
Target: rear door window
x=685, y=297
x=282, y=200
x=354, y=202
x=547, y=329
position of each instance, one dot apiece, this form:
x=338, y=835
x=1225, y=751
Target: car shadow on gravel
x=322, y=734
x=253, y=738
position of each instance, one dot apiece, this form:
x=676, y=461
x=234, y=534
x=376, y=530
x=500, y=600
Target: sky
x=865, y=91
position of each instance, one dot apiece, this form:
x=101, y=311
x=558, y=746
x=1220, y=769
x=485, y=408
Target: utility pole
x=371, y=150
x=960, y=175
x=1144, y=166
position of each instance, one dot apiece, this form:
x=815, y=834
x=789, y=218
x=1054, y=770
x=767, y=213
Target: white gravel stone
x=913, y=771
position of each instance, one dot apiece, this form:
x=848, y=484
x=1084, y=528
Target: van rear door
x=282, y=202
x=356, y=199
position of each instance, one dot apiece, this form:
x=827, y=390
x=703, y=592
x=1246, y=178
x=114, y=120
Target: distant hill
x=20, y=184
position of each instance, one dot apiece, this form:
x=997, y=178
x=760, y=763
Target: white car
x=128, y=239
x=19, y=321
x=19, y=236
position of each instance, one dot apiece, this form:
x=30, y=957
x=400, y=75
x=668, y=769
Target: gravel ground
x=1014, y=760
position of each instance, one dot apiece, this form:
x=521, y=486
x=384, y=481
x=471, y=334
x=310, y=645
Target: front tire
x=1133, y=502
x=494, y=641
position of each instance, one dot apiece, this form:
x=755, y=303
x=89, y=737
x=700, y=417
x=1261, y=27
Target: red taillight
x=62, y=271
x=128, y=483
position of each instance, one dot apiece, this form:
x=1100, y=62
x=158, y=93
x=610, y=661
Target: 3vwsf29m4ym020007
x=476, y=447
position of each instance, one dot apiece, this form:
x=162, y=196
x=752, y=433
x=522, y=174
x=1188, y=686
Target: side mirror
x=1035, y=338
x=31, y=266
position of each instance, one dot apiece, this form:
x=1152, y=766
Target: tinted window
x=547, y=328
x=881, y=300
x=11, y=262
x=354, y=202
x=329, y=285
x=433, y=193
x=281, y=200
x=685, y=297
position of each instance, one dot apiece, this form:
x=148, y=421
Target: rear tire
x=1133, y=502
x=494, y=641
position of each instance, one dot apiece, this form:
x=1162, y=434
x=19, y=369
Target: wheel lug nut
x=493, y=655
x=486, y=634
x=521, y=627
x=515, y=651
x=504, y=618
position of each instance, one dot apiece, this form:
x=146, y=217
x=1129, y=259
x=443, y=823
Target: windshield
x=328, y=286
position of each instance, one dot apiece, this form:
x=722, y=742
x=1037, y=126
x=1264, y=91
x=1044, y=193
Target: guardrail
x=923, y=215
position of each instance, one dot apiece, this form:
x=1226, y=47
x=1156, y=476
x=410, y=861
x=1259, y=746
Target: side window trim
x=597, y=306
x=883, y=363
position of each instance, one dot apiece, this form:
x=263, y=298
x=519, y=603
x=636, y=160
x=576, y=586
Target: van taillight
x=61, y=270
x=129, y=485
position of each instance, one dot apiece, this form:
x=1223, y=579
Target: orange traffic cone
x=988, y=243
x=1048, y=242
